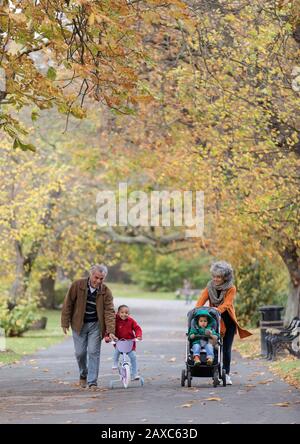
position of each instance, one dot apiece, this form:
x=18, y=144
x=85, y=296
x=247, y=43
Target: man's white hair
x=222, y=268
x=99, y=267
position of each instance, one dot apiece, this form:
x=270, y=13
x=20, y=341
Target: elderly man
x=88, y=308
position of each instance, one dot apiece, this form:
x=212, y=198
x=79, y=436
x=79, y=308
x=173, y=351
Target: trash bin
x=271, y=318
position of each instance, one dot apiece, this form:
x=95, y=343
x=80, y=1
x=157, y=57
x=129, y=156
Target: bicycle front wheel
x=126, y=375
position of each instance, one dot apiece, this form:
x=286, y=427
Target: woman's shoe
x=228, y=380
x=209, y=361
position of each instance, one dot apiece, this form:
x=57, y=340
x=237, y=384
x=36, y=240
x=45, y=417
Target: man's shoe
x=228, y=380
x=136, y=377
x=82, y=382
x=93, y=387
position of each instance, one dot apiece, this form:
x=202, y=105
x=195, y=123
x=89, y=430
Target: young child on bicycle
x=203, y=335
x=127, y=328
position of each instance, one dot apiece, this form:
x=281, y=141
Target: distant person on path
x=187, y=291
x=127, y=328
x=88, y=308
x=220, y=292
x=203, y=335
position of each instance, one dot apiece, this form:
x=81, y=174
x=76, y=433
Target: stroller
x=203, y=370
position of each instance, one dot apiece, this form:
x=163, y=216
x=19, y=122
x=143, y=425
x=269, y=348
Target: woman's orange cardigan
x=226, y=305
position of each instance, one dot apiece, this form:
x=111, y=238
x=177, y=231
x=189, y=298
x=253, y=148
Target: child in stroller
x=204, y=346
x=203, y=336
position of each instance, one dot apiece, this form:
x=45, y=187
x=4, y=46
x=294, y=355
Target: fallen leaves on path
x=214, y=398
x=267, y=381
x=57, y=381
x=282, y=404
x=172, y=359
x=186, y=405
x=257, y=373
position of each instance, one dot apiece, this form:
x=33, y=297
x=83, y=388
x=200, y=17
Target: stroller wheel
x=216, y=377
x=224, y=377
x=189, y=378
x=183, y=378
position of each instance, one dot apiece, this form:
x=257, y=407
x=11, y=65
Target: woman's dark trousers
x=228, y=340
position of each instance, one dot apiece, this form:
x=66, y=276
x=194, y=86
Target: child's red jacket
x=127, y=329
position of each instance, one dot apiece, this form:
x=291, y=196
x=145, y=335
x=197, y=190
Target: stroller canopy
x=212, y=322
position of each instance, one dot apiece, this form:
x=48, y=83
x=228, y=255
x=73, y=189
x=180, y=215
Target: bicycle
x=124, y=346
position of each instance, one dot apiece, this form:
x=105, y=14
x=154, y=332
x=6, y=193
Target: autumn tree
x=58, y=53
x=225, y=121
x=47, y=218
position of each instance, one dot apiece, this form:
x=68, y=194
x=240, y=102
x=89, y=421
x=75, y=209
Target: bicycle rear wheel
x=126, y=375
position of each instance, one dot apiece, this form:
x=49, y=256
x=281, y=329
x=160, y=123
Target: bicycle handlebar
x=122, y=339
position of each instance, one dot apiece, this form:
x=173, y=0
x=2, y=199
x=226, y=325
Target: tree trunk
x=291, y=259
x=293, y=304
x=18, y=288
x=47, y=284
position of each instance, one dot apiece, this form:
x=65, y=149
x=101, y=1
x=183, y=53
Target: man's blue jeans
x=87, y=346
x=208, y=347
x=132, y=357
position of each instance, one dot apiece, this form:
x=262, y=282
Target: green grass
x=133, y=291
x=289, y=369
x=33, y=340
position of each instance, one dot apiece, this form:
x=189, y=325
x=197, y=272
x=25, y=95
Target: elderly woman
x=220, y=292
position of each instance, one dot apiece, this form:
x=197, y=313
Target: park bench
x=284, y=339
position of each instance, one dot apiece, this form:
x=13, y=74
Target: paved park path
x=42, y=388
